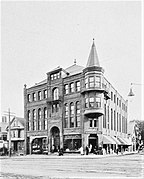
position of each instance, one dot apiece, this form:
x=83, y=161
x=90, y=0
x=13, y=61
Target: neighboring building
x=133, y=135
x=17, y=135
x=75, y=107
x=3, y=125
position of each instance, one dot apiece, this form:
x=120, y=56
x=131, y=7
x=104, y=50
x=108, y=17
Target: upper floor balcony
x=94, y=112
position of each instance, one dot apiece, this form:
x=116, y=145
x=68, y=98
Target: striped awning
x=116, y=140
x=108, y=140
x=122, y=141
x=128, y=141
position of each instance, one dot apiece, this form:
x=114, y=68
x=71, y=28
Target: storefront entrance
x=54, y=139
x=93, y=140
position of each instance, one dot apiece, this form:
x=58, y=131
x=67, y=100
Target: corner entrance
x=54, y=139
x=93, y=140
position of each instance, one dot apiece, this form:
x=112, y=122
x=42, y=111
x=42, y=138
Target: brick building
x=74, y=107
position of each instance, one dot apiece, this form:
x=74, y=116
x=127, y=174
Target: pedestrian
x=117, y=151
x=90, y=148
x=81, y=150
x=87, y=150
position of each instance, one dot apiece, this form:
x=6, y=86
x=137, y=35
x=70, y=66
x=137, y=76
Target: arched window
x=56, y=94
x=71, y=114
x=39, y=119
x=34, y=119
x=66, y=116
x=45, y=118
x=77, y=114
x=29, y=121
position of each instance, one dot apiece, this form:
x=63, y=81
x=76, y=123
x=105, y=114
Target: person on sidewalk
x=81, y=150
x=87, y=150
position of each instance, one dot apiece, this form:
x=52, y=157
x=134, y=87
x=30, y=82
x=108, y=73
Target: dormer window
x=55, y=76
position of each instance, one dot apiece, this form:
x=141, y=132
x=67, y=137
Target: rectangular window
x=97, y=82
x=66, y=89
x=34, y=96
x=90, y=122
x=104, y=117
x=117, y=101
x=39, y=95
x=91, y=81
x=111, y=119
x=95, y=123
x=91, y=102
x=71, y=121
x=28, y=97
x=114, y=99
x=108, y=116
x=66, y=122
x=78, y=86
x=117, y=123
x=98, y=102
x=86, y=83
x=114, y=120
x=71, y=87
x=111, y=96
x=86, y=102
x=45, y=94
x=77, y=121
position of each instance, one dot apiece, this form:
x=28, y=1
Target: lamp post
x=131, y=91
x=131, y=95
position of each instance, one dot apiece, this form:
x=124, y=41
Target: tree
x=140, y=125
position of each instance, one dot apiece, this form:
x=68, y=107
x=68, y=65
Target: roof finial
x=75, y=61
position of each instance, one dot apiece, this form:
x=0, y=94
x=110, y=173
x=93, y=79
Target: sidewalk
x=66, y=155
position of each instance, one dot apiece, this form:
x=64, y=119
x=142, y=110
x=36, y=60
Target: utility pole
x=9, y=115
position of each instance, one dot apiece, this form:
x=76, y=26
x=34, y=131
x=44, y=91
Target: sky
x=38, y=36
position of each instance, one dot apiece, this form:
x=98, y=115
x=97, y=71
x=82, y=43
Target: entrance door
x=93, y=140
x=55, y=139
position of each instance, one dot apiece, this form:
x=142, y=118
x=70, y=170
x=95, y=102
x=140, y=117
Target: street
x=73, y=166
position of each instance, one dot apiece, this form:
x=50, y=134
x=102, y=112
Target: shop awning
x=116, y=140
x=128, y=141
x=122, y=141
x=108, y=140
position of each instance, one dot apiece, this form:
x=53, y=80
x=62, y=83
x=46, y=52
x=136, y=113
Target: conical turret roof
x=93, y=57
